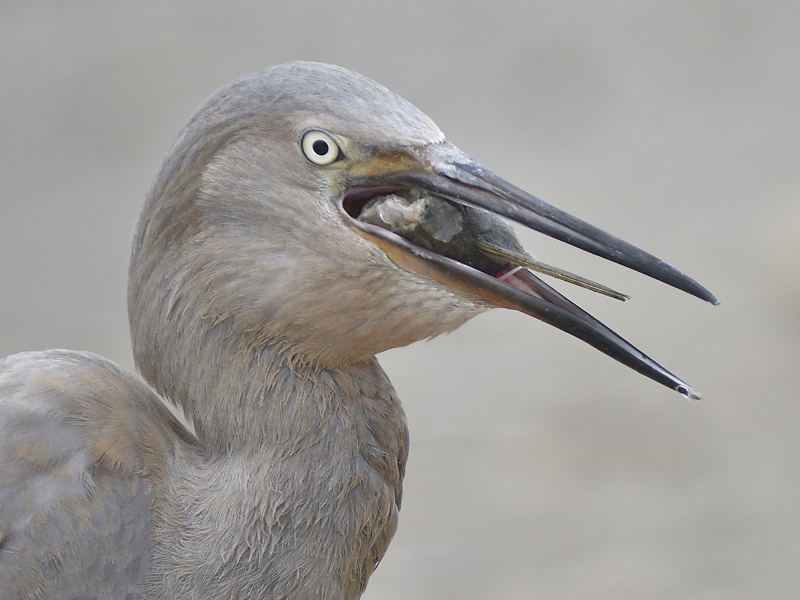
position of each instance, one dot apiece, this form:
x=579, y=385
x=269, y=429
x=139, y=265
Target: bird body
x=82, y=449
x=94, y=448
x=257, y=301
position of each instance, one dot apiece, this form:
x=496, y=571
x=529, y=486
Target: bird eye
x=320, y=148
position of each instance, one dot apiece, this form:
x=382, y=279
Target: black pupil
x=320, y=147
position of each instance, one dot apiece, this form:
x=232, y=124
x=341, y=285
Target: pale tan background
x=539, y=468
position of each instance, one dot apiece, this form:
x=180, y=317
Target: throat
x=254, y=399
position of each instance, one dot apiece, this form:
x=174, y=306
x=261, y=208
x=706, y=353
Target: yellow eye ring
x=319, y=148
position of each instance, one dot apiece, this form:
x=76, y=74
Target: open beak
x=435, y=211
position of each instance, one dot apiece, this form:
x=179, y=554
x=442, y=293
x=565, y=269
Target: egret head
x=308, y=208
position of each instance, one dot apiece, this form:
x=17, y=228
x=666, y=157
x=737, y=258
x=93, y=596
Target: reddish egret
x=304, y=220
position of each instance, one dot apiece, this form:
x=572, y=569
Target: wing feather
x=83, y=444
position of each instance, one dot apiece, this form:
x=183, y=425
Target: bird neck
x=300, y=466
x=246, y=395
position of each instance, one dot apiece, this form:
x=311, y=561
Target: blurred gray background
x=539, y=467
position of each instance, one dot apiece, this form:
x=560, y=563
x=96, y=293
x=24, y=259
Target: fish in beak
x=437, y=212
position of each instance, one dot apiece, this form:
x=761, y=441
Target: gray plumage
x=294, y=490
x=257, y=303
